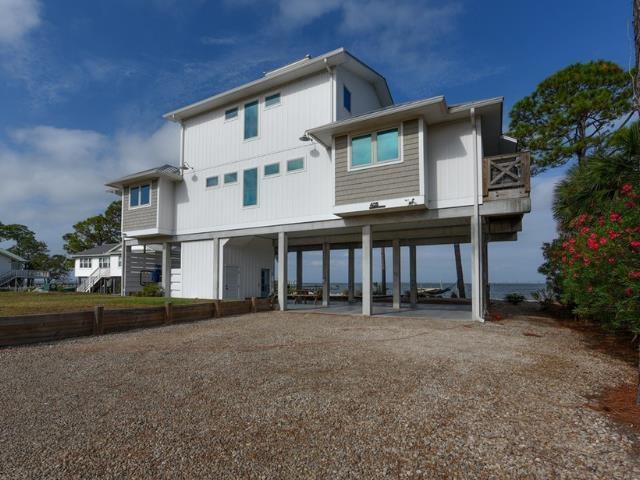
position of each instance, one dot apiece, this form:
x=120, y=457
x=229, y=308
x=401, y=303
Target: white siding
x=166, y=206
x=450, y=164
x=176, y=282
x=197, y=269
x=363, y=95
x=214, y=146
x=250, y=255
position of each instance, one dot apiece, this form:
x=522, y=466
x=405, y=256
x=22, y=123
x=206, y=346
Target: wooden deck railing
x=506, y=175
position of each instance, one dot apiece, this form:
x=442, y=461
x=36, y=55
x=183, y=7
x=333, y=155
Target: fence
x=24, y=329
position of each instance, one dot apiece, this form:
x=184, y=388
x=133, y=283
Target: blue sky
x=83, y=85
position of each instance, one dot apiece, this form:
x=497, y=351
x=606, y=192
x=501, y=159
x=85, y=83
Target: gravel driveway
x=295, y=395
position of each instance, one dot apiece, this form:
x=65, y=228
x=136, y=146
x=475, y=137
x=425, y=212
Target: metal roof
x=12, y=256
x=99, y=250
x=168, y=171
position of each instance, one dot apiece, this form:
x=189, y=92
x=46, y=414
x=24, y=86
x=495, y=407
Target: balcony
x=506, y=176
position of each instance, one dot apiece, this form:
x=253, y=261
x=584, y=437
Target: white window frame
x=224, y=180
x=211, y=187
x=272, y=175
x=101, y=262
x=374, y=148
x=269, y=107
x=84, y=261
x=299, y=170
x=232, y=119
x=138, y=186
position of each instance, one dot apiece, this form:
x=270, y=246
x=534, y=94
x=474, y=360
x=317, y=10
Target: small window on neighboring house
x=272, y=100
x=271, y=169
x=105, y=262
x=361, y=151
x=251, y=120
x=295, y=164
x=346, y=99
x=139, y=196
x=212, y=181
x=250, y=187
x=230, y=178
x=231, y=113
x=85, y=263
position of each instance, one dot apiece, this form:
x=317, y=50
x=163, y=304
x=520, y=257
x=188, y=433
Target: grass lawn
x=23, y=303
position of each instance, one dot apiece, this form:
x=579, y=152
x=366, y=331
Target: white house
x=15, y=274
x=316, y=156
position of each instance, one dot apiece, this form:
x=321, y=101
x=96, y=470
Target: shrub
x=514, y=298
x=151, y=290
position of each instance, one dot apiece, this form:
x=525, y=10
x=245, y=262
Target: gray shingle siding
x=140, y=218
x=384, y=181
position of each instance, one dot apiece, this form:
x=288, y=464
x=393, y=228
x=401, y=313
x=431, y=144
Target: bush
x=514, y=298
x=151, y=290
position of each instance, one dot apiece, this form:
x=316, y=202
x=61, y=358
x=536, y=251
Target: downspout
x=331, y=83
x=123, y=251
x=181, y=148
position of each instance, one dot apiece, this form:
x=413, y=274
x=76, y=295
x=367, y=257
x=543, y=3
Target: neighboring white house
x=15, y=274
x=316, y=156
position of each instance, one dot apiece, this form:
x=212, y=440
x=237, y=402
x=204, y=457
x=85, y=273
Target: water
x=498, y=290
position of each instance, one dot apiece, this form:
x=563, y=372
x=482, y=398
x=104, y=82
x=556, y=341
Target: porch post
x=367, y=244
x=397, y=285
x=485, y=274
x=326, y=273
x=166, y=269
x=283, y=250
x=477, y=294
x=413, y=283
x=352, y=277
x=216, y=269
x=124, y=266
x=299, y=270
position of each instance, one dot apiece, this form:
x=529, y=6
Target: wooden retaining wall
x=25, y=329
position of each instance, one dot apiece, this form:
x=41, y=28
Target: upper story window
x=251, y=120
x=231, y=114
x=212, y=181
x=295, y=164
x=230, y=178
x=250, y=187
x=85, y=263
x=271, y=169
x=346, y=99
x=105, y=262
x=140, y=195
x=272, y=100
x=374, y=148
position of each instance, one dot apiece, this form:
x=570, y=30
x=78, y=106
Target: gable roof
x=306, y=66
x=99, y=250
x=12, y=256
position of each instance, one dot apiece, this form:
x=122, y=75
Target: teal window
x=271, y=169
x=361, y=151
x=230, y=177
x=387, y=145
x=250, y=187
x=346, y=99
x=295, y=164
x=212, y=181
x=139, y=196
x=231, y=113
x=251, y=120
x=272, y=100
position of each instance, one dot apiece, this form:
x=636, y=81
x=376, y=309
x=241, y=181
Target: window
x=105, y=262
x=346, y=99
x=387, y=145
x=85, y=263
x=295, y=164
x=231, y=113
x=272, y=100
x=251, y=120
x=271, y=169
x=250, y=187
x=375, y=148
x=139, y=196
x=212, y=181
x=230, y=178
x=361, y=151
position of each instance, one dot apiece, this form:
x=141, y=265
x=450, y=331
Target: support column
x=485, y=274
x=299, y=270
x=351, y=284
x=216, y=270
x=125, y=264
x=397, y=284
x=413, y=282
x=367, y=254
x=326, y=273
x=166, y=269
x=477, y=308
x=283, y=250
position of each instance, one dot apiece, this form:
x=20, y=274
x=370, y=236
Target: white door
x=231, y=281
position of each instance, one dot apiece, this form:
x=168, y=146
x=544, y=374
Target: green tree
x=26, y=245
x=571, y=113
x=95, y=230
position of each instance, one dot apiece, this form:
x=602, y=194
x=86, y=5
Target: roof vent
x=288, y=66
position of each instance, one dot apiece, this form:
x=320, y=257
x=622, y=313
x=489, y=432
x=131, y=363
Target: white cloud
x=17, y=19
x=219, y=40
x=54, y=177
